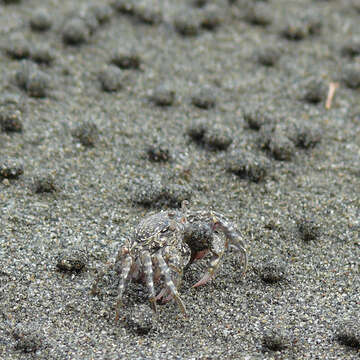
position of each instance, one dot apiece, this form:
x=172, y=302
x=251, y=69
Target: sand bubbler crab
x=164, y=244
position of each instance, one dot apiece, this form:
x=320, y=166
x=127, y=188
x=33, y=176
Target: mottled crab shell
x=158, y=230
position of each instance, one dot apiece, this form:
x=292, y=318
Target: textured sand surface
x=113, y=111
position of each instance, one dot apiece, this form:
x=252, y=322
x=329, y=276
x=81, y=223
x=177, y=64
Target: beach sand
x=111, y=111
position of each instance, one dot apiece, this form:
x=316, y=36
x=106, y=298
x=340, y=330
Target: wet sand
x=112, y=111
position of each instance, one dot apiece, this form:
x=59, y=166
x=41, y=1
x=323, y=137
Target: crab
x=164, y=244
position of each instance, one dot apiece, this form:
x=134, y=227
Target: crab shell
x=164, y=244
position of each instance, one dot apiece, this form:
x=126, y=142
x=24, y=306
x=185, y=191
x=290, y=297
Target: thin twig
x=332, y=88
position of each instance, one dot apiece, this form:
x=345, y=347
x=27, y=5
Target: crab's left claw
x=210, y=272
x=234, y=241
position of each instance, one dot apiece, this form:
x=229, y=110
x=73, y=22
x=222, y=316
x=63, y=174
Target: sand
x=114, y=111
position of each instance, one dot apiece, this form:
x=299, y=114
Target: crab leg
x=162, y=293
x=165, y=294
x=218, y=248
x=164, y=269
x=234, y=239
x=147, y=264
x=210, y=272
x=125, y=270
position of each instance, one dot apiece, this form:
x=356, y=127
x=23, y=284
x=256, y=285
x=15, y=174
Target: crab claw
x=206, y=277
x=214, y=265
